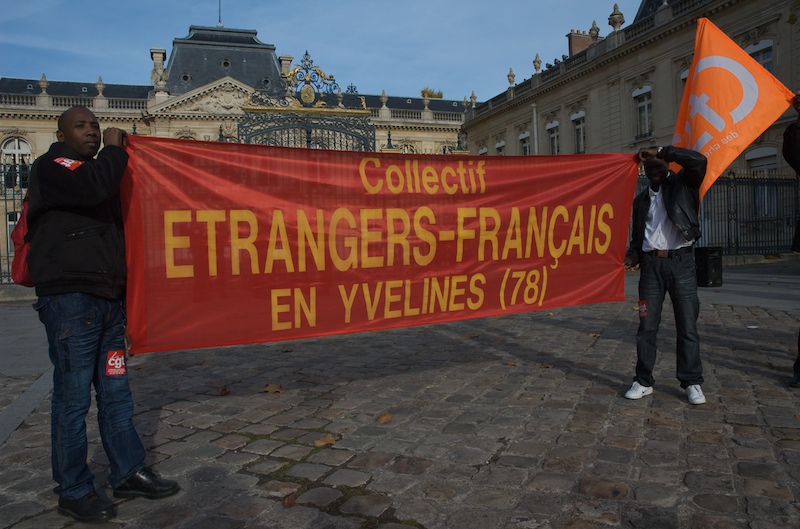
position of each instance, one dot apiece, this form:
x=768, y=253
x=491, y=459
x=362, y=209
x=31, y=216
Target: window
x=763, y=162
x=16, y=157
x=579, y=125
x=644, y=112
x=762, y=53
x=552, y=135
x=500, y=148
x=525, y=143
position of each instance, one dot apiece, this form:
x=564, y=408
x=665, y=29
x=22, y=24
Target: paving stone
x=231, y=442
x=603, y=489
x=764, y=487
x=409, y=465
x=649, y=517
x=331, y=457
x=308, y=471
x=320, y=496
x=262, y=447
x=279, y=489
x=370, y=460
x=371, y=505
x=347, y=478
x=717, y=502
x=293, y=452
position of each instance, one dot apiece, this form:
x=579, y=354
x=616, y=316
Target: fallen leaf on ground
x=510, y=363
x=546, y=366
x=383, y=418
x=224, y=391
x=290, y=500
x=594, y=335
x=472, y=335
x=499, y=340
x=273, y=388
x=325, y=441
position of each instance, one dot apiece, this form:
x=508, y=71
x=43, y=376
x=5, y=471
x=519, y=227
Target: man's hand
x=646, y=153
x=115, y=136
x=628, y=264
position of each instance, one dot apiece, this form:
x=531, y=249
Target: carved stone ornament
x=225, y=100
x=14, y=133
x=185, y=133
x=578, y=105
x=616, y=19
x=754, y=36
x=640, y=81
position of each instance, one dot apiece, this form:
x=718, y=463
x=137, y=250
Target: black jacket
x=75, y=223
x=681, y=199
x=791, y=146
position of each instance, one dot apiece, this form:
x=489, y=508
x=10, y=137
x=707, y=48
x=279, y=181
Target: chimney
x=578, y=41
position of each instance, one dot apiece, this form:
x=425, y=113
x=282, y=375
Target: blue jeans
x=676, y=275
x=81, y=330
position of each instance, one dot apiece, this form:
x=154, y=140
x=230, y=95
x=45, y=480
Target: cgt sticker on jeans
x=642, y=308
x=115, y=364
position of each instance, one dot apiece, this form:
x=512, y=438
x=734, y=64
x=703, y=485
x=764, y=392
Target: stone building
x=622, y=91
x=215, y=81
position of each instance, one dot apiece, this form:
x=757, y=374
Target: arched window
x=16, y=157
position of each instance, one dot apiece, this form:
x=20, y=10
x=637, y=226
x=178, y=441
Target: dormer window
x=84, y=90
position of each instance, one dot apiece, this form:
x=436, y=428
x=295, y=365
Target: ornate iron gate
x=313, y=114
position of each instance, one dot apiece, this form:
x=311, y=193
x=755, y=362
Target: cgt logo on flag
x=728, y=101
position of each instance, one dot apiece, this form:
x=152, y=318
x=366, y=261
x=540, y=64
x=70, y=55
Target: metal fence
x=743, y=214
x=749, y=213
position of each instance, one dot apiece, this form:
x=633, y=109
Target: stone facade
x=198, y=95
x=623, y=91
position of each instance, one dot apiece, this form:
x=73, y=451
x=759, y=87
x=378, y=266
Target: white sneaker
x=695, y=395
x=638, y=391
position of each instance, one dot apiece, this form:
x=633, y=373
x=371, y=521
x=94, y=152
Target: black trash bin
x=708, y=260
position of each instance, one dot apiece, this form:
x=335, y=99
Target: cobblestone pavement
x=514, y=422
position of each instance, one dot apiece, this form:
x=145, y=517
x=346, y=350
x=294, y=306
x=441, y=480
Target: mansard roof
x=72, y=89
x=649, y=7
x=208, y=54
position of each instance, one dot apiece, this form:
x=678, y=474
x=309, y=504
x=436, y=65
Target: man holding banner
x=664, y=230
x=77, y=261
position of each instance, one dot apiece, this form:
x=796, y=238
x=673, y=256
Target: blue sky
x=454, y=46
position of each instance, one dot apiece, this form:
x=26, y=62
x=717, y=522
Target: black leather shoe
x=90, y=508
x=795, y=382
x=146, y=484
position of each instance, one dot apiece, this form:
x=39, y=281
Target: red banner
x=233, y=244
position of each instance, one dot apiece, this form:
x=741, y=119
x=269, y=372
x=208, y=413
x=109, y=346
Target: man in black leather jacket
x=77, y=261
x=665, y=227
x=791, y=153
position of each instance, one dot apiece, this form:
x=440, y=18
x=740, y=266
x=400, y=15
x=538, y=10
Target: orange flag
x=728, y=101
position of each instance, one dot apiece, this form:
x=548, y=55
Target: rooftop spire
x=219, y=22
